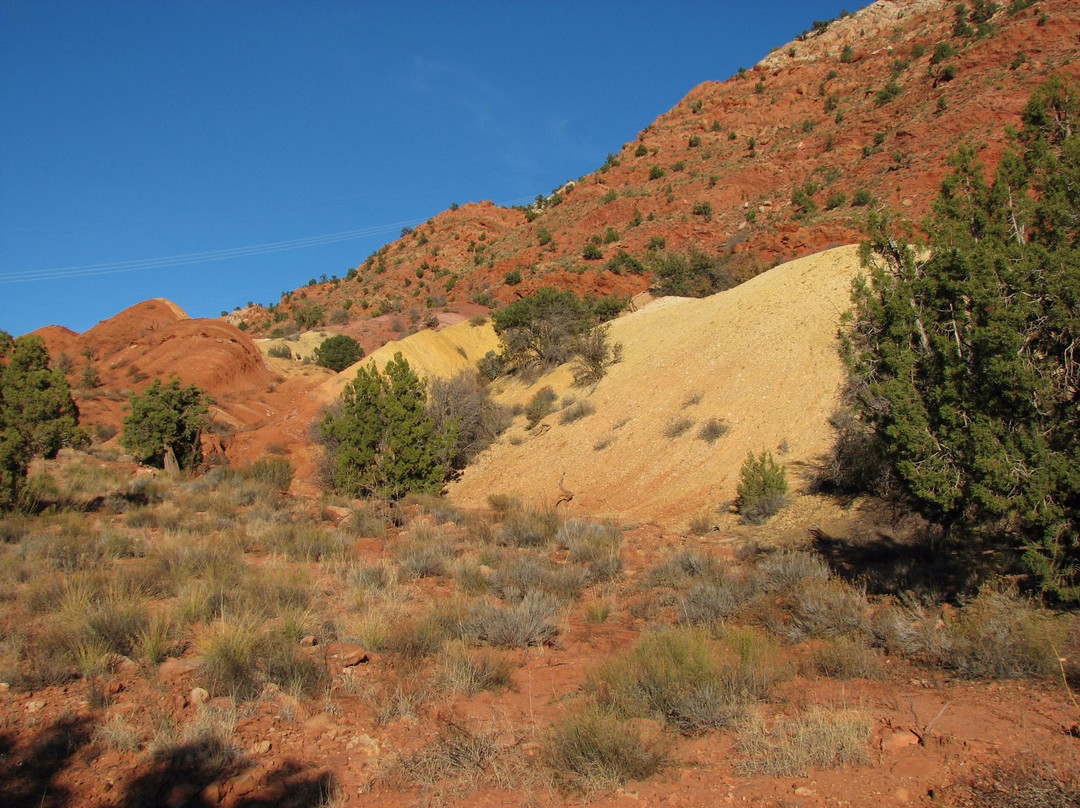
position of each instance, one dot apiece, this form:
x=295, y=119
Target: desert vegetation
x=891, y=621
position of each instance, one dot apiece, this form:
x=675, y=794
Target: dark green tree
x=966, y=359
x=380, y=439
x=542, y=328
x=166, y=418
x=692, y=274
x=37, y=413
x=338, y=352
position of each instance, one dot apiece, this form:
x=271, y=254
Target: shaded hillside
x=776, y=162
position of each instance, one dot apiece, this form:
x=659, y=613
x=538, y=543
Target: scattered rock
x=319, y=724
x=172, y=669
x=259, y=749
x=212, y=794
x=346, y=654
x=309, y=641
x=34, y=706
x=898, y=741
x=243, y=784
x=198, y=695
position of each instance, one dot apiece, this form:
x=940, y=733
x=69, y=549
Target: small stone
x=308, y=641
x=172, y=669
x=198, y=695
x=261, y=748
x=319, y=724
x=244, y=784
x=212, y=793
x=34, y=706
x=803, y=791
x=180, y=795
x=902, y=795
x=898, y=741
x=347, y=654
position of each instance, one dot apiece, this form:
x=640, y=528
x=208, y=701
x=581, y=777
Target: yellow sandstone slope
x=762, y=357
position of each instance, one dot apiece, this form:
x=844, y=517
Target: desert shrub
x=712, y=601
x=785, y=569
x=303, y=541
x=999, y=634
x=1026, y=780
x=338, y=352
x=273, y=471
x=845, y=658
x=230, y=650
x=861, y=197
x=593, y=355
x=712, y=429
x=424, y=559
x=762, y=488
x=678, y=676
x=166, y=420
x=595, y=544
x=463, y=400
x=114, y=621
x=622, y=262
x=205, y=743
x=472, y=670
x=37, y=414
x=530, y=621
x=592, y=749
x=819, y=738
x=836, y=200
x=576, y=411
x=279, y=351
x=856, y=462
x=691, y=274
x=527, y=574
x=682, y=567
x=455, y=752
x=423, y=635
x=592, y=252
x=540, y=406
x=381, y=440
x=541, y=328
x=529, y=527
x=491, y=365
x=826, y=608
x=676, y=426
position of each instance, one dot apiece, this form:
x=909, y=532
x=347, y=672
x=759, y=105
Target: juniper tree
x=37, y=413
x=966, y=354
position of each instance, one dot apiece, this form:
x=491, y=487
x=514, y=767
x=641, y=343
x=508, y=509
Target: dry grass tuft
x=820, y=738
x=593, y=750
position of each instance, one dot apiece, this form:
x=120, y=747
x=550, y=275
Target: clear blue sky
x=133, y=135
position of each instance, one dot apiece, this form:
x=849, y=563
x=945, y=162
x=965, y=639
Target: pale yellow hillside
x=431, y=354
x=761, y=356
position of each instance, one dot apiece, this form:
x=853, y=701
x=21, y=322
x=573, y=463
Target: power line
x=268, y=248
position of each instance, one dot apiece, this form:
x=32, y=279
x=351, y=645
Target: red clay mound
x=156, y=339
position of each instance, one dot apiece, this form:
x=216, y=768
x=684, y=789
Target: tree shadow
x=886, y=565
x=27, y=775
x=188, y=778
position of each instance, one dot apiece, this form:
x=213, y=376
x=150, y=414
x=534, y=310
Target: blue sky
x=287, y=139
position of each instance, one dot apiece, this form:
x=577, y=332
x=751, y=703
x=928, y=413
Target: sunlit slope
x=762, y=357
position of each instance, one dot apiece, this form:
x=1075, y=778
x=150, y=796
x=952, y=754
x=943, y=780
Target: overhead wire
x=207, y=256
